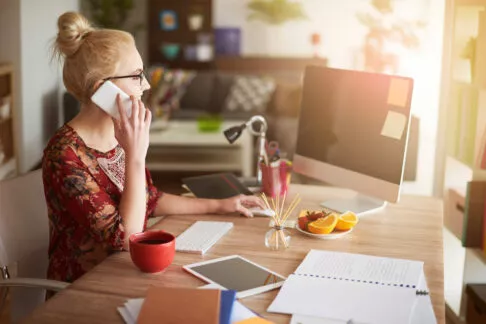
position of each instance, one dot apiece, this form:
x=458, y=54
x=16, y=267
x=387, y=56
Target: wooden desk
x=411, y=229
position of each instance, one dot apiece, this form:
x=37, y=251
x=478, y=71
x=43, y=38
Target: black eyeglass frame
x=140, y=76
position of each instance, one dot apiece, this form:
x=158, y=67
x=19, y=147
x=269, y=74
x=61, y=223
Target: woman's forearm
x=133, y=201
x=172, y=205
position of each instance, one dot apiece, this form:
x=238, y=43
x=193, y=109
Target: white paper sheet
x=344, y=300
x=133, y=306
x=345, y=286
x=361, y=267
x=422, y=313
x=303, y=319
x=126, y=316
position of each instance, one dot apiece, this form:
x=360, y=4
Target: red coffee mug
x=152, y=251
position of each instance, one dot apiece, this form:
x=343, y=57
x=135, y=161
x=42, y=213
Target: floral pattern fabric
x=82, y=201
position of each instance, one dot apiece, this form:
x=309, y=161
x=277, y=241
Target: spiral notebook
x=356, y=287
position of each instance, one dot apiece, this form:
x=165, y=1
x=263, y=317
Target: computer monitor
x=352, y=133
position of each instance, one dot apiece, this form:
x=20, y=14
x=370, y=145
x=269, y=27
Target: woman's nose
x=145, y=84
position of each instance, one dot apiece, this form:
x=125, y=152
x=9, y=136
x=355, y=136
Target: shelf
x=462, y=266
x=480, y=256
x=454, y=258
x=477, y=3
x=458, y=174
x=5, y=120
x=5, y=68
x=8, y=169
x=466, y=84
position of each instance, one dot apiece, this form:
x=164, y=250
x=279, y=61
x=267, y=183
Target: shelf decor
x=168, y=20
x=228, y=41
x=175, y=30
x=195, y=21
x=5, y=108
x=205, y=50
x=170, y=50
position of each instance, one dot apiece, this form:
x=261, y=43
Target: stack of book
x=188, y=305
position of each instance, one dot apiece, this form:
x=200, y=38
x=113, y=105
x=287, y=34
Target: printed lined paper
x=361, y=267
x=346, y=286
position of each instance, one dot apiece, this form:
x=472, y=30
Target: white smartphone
x=105, y=98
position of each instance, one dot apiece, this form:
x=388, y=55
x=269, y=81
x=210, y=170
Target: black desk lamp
x=233, y=133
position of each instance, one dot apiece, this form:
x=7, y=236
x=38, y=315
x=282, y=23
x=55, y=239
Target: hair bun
x=73, y=28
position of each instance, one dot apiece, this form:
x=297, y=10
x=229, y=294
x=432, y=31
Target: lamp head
x=233, y=133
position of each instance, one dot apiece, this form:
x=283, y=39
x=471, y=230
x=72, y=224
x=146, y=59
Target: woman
x=97, y=187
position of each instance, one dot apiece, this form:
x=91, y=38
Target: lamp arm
x=257, y=119
x=261, y=133
x=233, y=133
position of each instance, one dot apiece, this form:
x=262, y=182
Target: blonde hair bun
x=73, y=28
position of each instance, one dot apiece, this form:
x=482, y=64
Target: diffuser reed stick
x=279, y=217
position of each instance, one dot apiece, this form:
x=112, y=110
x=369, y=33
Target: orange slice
x=323, y=225
x=346, y=221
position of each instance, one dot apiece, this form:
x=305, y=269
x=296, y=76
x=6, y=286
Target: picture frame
x=168, y=20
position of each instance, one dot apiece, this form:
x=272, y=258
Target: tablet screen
x=236, y=273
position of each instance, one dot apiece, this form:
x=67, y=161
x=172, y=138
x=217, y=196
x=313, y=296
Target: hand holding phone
x=105, y=98
x=132, y=133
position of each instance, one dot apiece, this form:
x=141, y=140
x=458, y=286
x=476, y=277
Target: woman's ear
x=97, y=85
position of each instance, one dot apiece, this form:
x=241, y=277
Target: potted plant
x=274, y=14
x=111, y=14
x=384, y=28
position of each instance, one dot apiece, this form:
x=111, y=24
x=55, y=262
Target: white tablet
x=236, y=273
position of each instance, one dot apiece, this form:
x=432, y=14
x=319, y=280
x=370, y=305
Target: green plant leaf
x=109, y=13
x=275, y=11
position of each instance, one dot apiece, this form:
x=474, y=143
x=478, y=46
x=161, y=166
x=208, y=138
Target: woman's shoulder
x=63, y=143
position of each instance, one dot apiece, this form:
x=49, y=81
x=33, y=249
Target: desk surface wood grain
x=411, y=229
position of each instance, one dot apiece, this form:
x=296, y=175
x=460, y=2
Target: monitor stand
x=359, y=204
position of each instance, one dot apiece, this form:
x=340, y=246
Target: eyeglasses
x=140, y=76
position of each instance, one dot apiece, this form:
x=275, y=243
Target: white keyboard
x=201, y=236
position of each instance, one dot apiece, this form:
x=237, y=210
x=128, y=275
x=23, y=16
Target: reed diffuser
x=278, y=238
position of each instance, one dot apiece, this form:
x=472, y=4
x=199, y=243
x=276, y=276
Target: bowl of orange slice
x=326, y=225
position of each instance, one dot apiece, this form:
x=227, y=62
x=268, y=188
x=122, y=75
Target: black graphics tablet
x=216, y=186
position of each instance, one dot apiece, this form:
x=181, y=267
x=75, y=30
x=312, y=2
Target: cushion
x=199, y=91
x=222, y=87
x=168, y=88
x=250, y=94
x=286, y=99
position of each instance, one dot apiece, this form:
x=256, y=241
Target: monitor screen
x=356, y=122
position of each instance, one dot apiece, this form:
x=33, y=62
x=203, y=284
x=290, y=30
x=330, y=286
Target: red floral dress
x=83, y=189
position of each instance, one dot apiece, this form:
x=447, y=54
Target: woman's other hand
x=132, y=133
x=240, y=204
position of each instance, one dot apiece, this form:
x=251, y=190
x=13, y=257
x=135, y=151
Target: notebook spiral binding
x=418, y=292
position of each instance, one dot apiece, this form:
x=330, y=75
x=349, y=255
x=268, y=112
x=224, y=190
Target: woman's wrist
x=215, y=206
x=133, y=160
